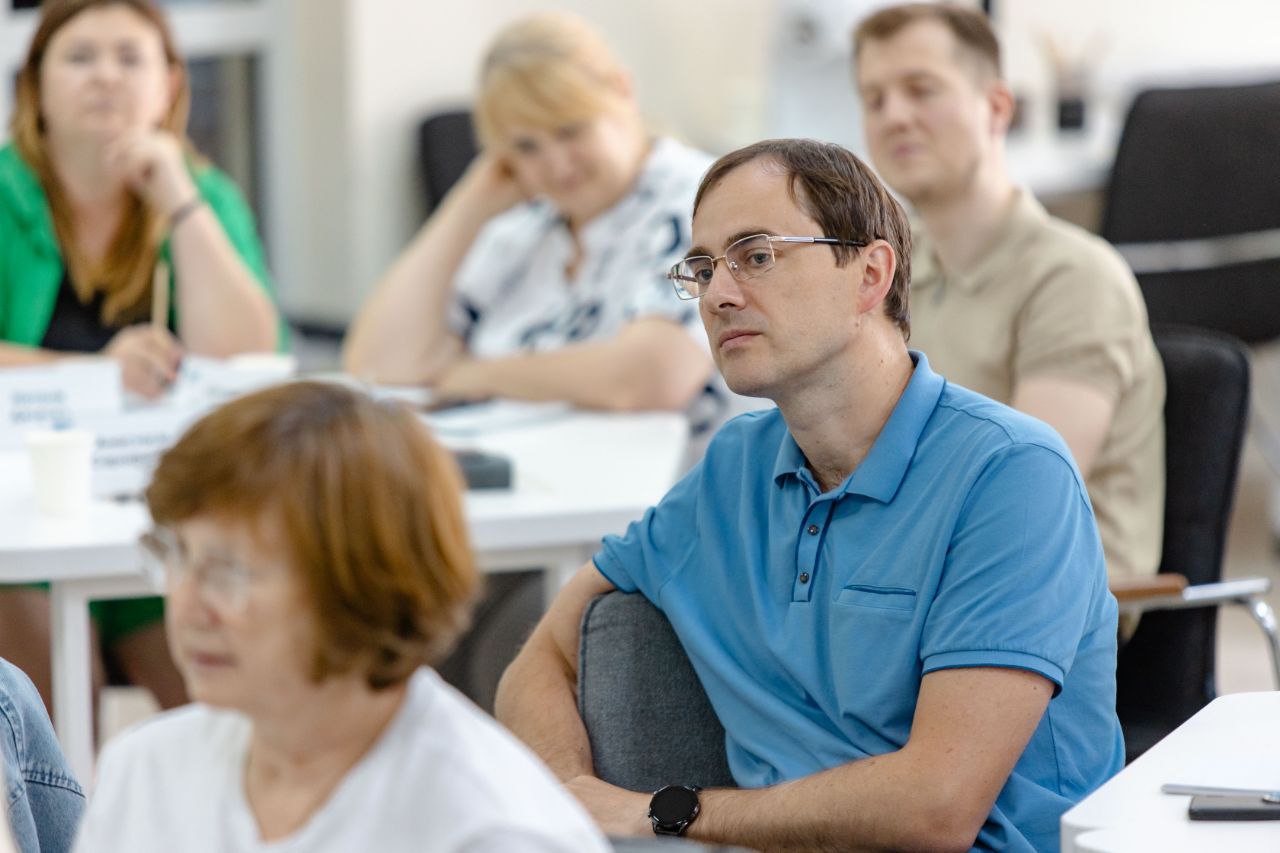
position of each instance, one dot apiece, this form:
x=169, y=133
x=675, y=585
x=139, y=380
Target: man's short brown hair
x=369, y=507
x=839, y=192
x=971, y=29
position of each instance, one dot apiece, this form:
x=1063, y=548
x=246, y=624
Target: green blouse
x=31, y=266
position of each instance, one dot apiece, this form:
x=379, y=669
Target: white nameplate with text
x=62, y=394
x=127, y=447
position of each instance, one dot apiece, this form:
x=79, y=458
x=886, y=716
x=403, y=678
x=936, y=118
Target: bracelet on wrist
x=184, y=210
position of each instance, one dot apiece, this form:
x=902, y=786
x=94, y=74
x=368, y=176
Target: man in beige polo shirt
x=1007, y=300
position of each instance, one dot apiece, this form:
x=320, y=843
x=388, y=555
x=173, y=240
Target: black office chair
x=1194, y=206
x=446, y=146
x=1166, y=671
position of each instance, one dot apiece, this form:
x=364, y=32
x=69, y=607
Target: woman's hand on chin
x=487, y=188
x=152, y=163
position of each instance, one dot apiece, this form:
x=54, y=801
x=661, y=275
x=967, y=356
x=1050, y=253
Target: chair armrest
x=1241, y=591
x=1133, y=590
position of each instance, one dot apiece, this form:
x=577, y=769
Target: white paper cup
x=61, y=469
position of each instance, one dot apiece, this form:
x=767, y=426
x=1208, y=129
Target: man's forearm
x=537, y=701
x=884, y=802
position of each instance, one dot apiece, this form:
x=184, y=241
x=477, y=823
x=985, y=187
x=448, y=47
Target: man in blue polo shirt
x=891, y=588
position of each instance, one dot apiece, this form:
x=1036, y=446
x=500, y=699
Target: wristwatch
x=673, y=808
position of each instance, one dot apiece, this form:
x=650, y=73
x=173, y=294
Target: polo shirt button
x=804, y=577
x=813, y=530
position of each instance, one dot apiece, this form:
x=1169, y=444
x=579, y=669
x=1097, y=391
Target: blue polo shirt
x=965, y=538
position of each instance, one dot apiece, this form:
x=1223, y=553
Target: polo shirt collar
x=1026, y=218
x=882, y=472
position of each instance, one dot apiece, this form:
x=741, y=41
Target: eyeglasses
x=224, y=582
x=748, y=258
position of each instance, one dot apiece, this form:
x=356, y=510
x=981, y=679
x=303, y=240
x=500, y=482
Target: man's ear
x=1001, y=102
x=879, y=266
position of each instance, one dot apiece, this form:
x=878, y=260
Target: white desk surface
x=578, y=477
x=1233, y=742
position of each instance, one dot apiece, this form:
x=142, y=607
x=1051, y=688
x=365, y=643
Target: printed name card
x=130, y=433
x=63, y=394
x=204, y=383
x=128, y=446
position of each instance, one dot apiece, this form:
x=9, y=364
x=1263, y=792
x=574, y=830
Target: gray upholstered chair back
x=647, y=716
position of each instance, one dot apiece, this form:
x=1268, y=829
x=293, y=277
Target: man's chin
x=747, y=386
x=911, y=185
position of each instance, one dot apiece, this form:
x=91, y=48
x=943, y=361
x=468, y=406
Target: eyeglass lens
x=748, y=258
x=221, y=580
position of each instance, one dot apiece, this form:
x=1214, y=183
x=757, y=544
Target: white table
x=1234, y=742
x=578, y=477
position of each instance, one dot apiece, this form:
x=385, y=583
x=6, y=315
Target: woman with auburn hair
x=312, y=577
x=540, y=276
x=99, y=185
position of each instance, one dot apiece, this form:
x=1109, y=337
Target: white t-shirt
x=442, y=777
x=511, y=294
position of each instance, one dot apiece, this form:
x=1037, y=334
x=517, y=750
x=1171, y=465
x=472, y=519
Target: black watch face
x=673, y=804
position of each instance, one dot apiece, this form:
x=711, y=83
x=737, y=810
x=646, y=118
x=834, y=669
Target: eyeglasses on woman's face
x=223, y=581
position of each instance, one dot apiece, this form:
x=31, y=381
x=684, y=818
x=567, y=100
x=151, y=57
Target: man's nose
x=894, y=111
x=723, y=291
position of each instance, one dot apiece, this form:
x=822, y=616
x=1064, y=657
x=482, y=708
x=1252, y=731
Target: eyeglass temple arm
x=830, y=240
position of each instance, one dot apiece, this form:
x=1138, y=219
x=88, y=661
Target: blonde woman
x=541, y=275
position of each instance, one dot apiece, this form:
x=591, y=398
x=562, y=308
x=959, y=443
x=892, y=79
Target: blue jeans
x=45, y=800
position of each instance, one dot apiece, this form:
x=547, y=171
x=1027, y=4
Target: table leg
x=72, y=667
x=72, y=677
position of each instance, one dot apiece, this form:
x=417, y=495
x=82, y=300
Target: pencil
x=160, y=296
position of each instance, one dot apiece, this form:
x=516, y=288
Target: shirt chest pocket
x=879, y=597
x=874, y=654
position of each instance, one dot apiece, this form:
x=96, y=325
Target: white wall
x=308, y=151
x=1132, y=40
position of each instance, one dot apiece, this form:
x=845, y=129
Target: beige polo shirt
x=1049, y=299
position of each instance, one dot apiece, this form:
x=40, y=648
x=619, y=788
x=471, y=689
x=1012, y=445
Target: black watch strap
x=673, y=808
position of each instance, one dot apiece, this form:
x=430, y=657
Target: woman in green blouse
x=99, y=185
